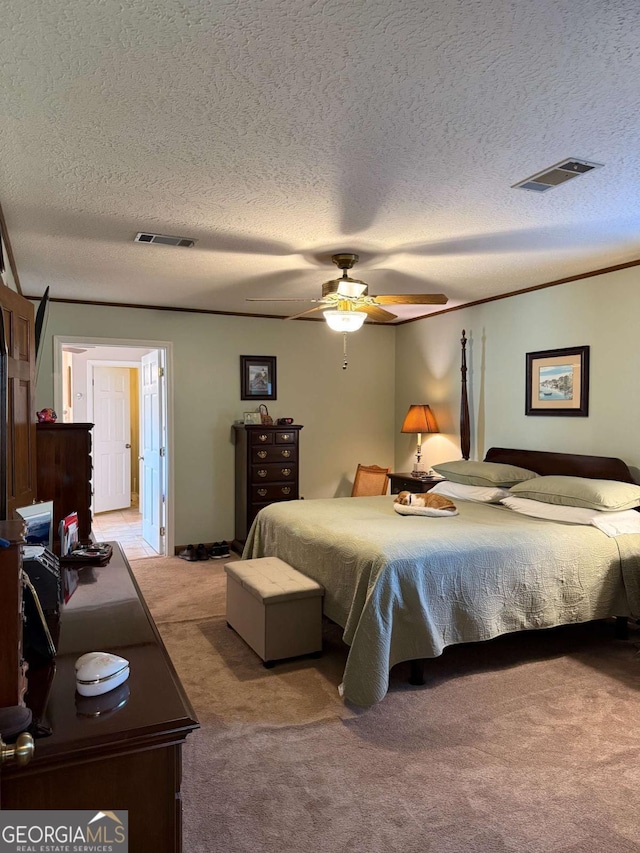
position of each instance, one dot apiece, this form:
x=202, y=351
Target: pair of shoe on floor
x=192, y=553
x=218, y=550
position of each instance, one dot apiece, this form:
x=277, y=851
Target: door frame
x=59, y=341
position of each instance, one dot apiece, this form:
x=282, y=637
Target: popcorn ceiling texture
x=276, y=133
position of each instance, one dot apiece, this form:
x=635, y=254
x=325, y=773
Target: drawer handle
x=262, y=454
x=262, y=472
x=285, y=436
x=286, y=471
x=286, y=490
x=262, y=492
x=263, y=437
x=286, y=453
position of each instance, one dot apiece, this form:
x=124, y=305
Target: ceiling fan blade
x=412, y=299
x=309, y=311
x=281, y=299
x=377, y=314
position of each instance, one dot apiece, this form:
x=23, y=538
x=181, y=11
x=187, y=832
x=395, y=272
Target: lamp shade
x=419, y=419
x=345, y=321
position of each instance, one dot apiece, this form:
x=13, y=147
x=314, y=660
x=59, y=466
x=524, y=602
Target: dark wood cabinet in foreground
x=123, y=749
x=267, y=470
x=12, y=671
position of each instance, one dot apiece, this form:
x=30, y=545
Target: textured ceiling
x=276, y=133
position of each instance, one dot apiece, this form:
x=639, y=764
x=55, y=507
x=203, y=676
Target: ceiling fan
x=346, y=303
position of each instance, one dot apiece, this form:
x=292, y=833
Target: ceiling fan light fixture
x=344, y=321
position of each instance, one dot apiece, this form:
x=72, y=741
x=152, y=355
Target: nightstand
x=406, y=483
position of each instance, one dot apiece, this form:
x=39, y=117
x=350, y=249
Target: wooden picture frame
x=557, y=382
x=258, y=377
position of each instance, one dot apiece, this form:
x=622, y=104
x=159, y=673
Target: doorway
x=123, y=389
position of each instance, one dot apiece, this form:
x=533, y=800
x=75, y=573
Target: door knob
x=140, y=458
x=21, y=752
x=128, y=446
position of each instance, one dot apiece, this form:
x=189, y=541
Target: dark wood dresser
x=118, y=751
x=13, y=681
x=267, y=470
x=64, y=472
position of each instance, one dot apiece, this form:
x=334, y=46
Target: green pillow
x=483, y=473
x=606, y=495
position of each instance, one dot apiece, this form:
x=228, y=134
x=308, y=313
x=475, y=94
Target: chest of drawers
x=267, y=470
x=64, y=473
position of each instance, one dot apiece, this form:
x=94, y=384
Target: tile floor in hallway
x=123, y=526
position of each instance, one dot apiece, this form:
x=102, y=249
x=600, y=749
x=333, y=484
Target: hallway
x=123, y=526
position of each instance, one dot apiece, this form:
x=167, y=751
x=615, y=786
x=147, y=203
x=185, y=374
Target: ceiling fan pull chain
x=345, y=363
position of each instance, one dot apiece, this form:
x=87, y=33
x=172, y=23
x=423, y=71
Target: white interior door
x=111, y=438
x=152, y=451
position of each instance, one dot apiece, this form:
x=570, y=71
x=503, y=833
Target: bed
x=403, y=588
x=406, y=587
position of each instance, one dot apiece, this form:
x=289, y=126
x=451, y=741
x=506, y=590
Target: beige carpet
x=187, y=601
x=172, y=586
x=527, y=744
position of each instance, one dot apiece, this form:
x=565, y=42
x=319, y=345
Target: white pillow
x=554, y=512
x=484, y=494
x=617, y=523
x=610, y=523
x=404, y=509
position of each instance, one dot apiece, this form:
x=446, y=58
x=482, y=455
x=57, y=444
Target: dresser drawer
x=285, y=436
x=254, y=509
x=261, y=437
x=273, y=472
x=260, y=455
x=274, y=492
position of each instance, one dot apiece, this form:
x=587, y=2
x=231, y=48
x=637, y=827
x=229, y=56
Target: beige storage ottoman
x=275, y=609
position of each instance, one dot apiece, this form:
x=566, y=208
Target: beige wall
x=348, y=416
x=602, y=312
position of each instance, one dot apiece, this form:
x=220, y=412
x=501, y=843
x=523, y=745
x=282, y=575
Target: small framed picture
x=557, y=382
x=252, y=418
x=258, y=377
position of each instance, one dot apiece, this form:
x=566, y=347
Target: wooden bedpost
x=465, y=432
x=417, y=675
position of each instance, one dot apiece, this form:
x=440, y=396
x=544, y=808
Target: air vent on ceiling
x=556, y=175
x=163, y=239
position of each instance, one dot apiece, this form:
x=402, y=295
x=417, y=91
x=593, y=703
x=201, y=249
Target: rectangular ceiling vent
x=163, y=239
x=556, y=175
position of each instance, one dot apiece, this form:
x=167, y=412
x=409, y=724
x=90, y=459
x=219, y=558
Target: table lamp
x=419, y=419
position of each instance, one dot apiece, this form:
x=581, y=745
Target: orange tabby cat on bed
x=425, y=499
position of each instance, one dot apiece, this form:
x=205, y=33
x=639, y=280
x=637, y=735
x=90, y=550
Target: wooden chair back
x=370, y=480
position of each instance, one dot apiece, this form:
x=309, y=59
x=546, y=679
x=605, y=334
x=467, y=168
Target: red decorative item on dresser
x=46, y=416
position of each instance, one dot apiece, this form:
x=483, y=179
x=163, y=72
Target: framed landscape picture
x=258, y=377
x=557, y=382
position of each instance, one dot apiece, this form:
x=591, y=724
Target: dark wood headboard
x=566, y=464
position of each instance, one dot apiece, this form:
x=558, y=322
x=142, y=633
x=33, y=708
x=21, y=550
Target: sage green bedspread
x=405, y=587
